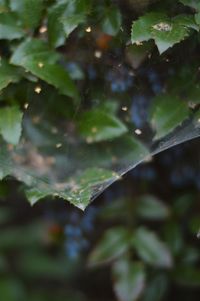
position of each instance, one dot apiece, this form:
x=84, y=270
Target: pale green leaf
x=150, y=249
x=129, y=279
x=114, y=243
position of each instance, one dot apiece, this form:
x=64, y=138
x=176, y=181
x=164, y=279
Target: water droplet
x=94, y=130
x=88, y=29
x=26, y=105
x=138, y=132
x=38, y=89
x=58, y=145
x=98, y=54
x=43, y=29
x=40, y=65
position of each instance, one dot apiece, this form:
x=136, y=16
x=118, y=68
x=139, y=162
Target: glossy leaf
x=36, y=58
x=164, y=31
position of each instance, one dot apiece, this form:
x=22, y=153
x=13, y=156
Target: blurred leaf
x=98, y=125
x=136, y=54
x=167, y=112
x=165, y=31
x=11, y=290
x=187, y=276
x=71, y=22
x=129, y=279
x=156, y=288
x=29, y=11
x=8, y=74
x=174, y=237
x=9, y=27
x=114, y=243
x=150, y=249
x=64, y=17
x=192, y=3
x=56, y=32
x=149, y=207
x=11, y=124
x=35, y=57
x=39, y=265
x=112, y=21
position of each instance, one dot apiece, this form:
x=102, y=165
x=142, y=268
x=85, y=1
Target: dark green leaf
x=9, y=28
x=156, y=288
x=29, y=11
x=36, y=58
x=167, y=112
x=8, y=74
x=112, y=21
x=165, y=31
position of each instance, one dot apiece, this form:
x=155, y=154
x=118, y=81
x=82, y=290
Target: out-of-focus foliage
x=69, y=67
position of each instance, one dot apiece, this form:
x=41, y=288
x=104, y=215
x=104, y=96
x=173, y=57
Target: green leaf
x=71, y=22
x=112, y=21
x=97, y=125
x=156, y=289
x=8, y=74
x=192, y=3
x=34, y=195
x=29, y=11
x=114, y=243
x=10, y=124
x=187, y=276
x=150, y=249
x=197, y=18
x=64, y=17
x=149, y=207
x=129, y=279
x=9, y=28
x=36, y=58
x=56, y=34
x=167, y=112
x=164, y=31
